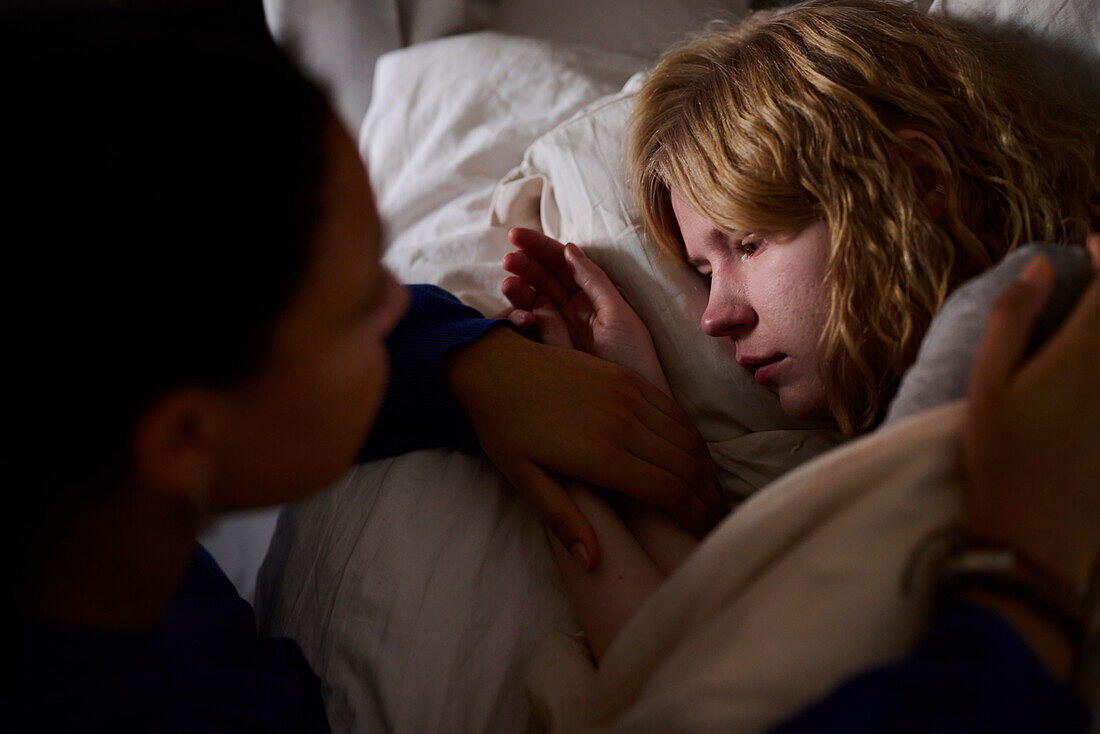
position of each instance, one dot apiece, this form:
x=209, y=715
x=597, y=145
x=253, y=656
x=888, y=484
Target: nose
x=727, y=313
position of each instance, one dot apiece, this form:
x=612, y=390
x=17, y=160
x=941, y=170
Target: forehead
x=347, y=200
x=697, y=232
x=347, y=228
x=684, y=212
x=687, y=218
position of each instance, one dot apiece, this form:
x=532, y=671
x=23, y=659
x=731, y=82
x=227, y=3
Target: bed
x=421, y=590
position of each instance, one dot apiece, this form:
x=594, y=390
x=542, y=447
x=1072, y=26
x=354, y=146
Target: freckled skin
x=769, y=296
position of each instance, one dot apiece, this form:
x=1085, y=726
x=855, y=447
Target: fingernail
x=580, y=554
x=1031, y=270
x=574, y=250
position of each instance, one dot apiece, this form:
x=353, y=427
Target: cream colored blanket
x=798, y=589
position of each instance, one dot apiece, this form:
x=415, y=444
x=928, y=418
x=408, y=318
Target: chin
x=805, y=407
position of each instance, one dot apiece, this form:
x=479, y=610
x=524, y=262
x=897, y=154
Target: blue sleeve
x=972, y=673
x=416, y=412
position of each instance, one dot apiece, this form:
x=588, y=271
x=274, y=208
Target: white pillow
x=1060, y=41
x=449, y=119
x=644, y=28
x=1072, y=22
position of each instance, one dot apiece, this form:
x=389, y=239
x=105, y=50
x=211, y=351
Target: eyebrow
x=717, y=238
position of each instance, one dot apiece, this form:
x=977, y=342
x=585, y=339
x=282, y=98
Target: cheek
x=300, y=431
x=798, y=301
x=778, y=293
x=347, y=393
x=805, y=400
x=367, y=378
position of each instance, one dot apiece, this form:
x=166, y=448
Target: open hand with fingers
x=543, y=414
x=1030, y=445
x=1033, y=429
x=569, y=301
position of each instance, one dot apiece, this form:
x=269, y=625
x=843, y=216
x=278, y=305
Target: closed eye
x=753, y=242
x=750, y=244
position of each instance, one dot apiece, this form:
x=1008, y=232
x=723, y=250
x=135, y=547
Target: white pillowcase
x=1059, y=40
x=643, y=28
x=1072, y=22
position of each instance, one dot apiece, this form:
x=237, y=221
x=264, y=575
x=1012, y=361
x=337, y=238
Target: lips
x=762, y=368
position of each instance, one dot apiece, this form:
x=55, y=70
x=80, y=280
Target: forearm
x=607, y=596
x=663, y=539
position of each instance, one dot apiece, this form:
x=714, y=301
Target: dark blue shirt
x=200, y=670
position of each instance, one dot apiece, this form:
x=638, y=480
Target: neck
x=114, y=562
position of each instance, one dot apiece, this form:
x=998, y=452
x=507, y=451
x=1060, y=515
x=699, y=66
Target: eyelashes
x=743, y=247
x=750, y=244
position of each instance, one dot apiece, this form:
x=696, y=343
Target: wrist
x=1053, y=553
x=1052, y=614
x=465, y=368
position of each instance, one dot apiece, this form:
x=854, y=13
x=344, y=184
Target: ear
x=930, y=169
x=173, y=445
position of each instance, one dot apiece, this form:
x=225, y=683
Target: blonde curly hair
x=791, y=117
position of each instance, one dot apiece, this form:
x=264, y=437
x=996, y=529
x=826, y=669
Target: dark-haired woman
x=203, y=325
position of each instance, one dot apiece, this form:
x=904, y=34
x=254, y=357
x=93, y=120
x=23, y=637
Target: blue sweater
x=972, y=673
x=203, y=669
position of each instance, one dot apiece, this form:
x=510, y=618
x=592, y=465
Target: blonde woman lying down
x=835, y=174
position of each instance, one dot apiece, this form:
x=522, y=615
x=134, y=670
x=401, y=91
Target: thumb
x=1008, y=331
x=550, y=325
x=592, y=280
x=559, y=512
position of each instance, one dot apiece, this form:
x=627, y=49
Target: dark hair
x=165, y=177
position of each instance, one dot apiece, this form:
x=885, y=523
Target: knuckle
x=613, y=446
x=614, y=415
x=677, y=492
x=622, y=421
x=625, y=374
x=557, y=522
x=603, y=451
